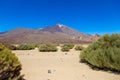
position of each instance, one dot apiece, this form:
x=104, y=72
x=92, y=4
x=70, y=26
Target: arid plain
x=58, y=66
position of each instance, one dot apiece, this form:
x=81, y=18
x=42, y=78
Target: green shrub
x=79, y=48
x=104, y=53
x=26, y=47
x=47, y=48
x=9, y=65
x=10, y=46
x=67, y=47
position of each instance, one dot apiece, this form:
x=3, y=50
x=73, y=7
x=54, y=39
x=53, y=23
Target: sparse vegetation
x=104, y=53
x=47, y=48
x=10, y=46
x=9, y=65
x=67, y=47
x=79, y=48
x=26, y=47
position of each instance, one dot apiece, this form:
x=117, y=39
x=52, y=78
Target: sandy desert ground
x=36, y=66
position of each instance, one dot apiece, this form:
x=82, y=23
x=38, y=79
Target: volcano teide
x=52, y=34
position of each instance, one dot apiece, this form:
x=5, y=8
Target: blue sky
x=89, y=16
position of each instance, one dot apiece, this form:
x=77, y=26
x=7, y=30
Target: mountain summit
x=63, y=29
x=51, y=34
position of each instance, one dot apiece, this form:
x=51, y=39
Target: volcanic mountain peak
x=58, y=33
x=53, y=29
x=62, y=29
x=60, y=25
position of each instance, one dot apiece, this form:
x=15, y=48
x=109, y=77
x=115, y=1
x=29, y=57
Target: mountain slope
x=63, y=29
x=52, y=34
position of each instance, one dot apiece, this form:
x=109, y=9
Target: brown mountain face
x=51, y=34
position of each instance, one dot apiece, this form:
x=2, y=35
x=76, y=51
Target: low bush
x=26, y=47
x=47, y=48
x=79, y=48
x=67, y=47
x=10, y=46
x=10, y=67
x=104, y=53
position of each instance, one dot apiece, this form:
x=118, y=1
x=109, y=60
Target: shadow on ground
x=98, y=69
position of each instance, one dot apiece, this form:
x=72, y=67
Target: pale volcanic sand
x=63, y=67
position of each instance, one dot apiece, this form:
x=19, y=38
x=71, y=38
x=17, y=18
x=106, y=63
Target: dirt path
x=58, y=66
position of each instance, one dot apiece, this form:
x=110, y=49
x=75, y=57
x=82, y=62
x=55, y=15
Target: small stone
x=65, y=53
x=54, y=70
x=83, y=75
x=49, y=71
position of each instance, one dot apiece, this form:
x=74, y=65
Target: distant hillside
x=52, y=34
